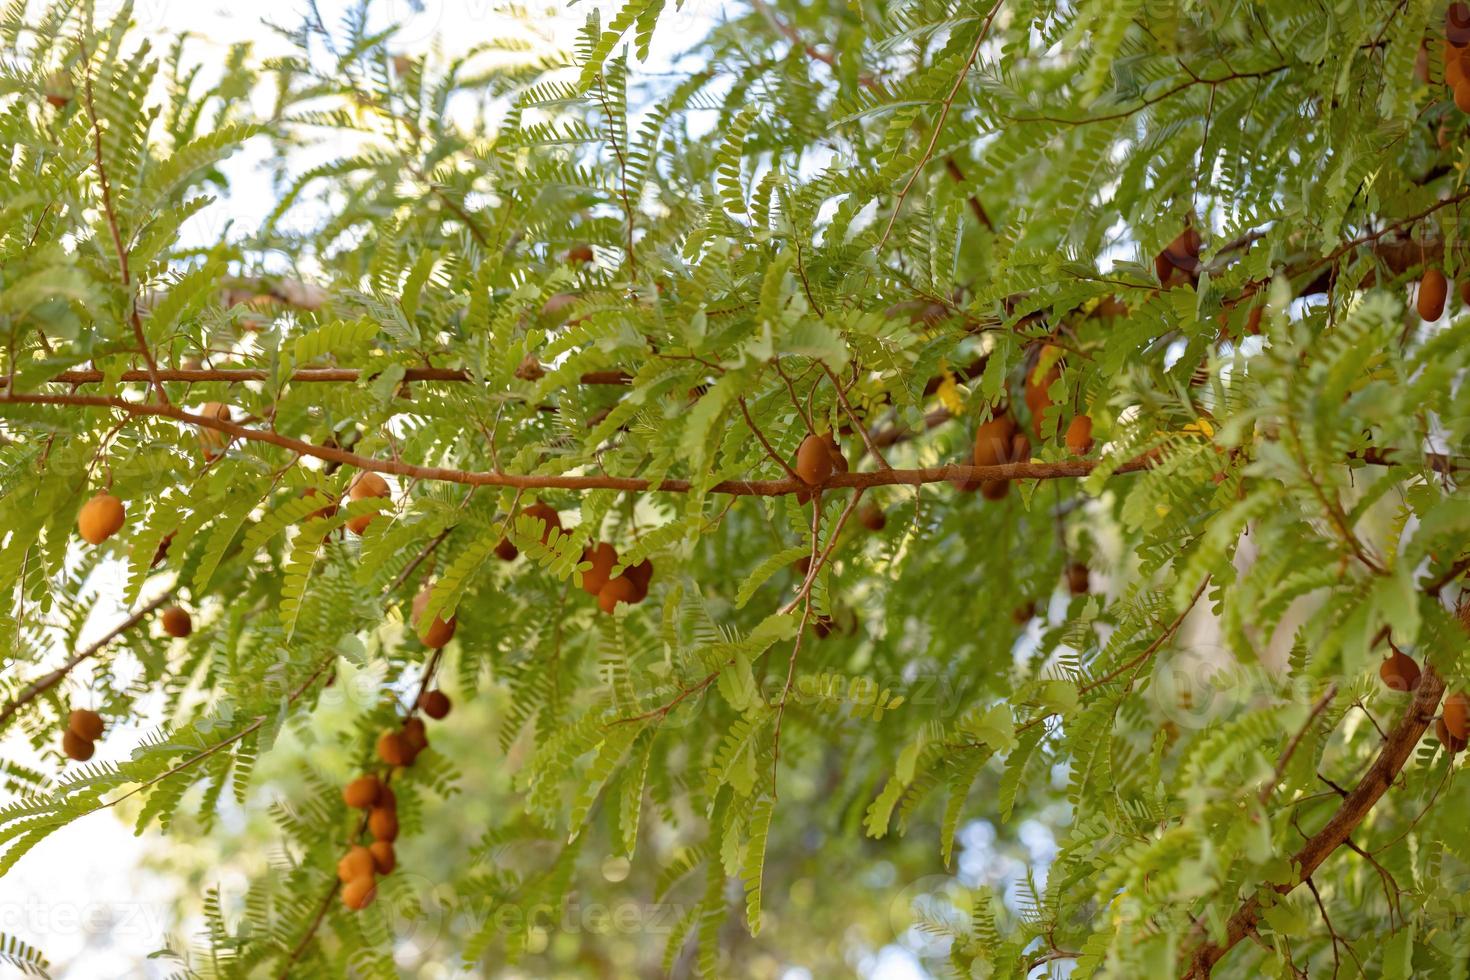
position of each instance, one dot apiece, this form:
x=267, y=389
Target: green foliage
x=901, y=218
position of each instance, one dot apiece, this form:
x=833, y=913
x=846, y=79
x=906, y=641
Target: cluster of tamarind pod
x=1399, y=672
x=629, y=586
x=1001, y=439
x=83, y=729
x=84, y=726
x=362, y=865
x=1456, y=54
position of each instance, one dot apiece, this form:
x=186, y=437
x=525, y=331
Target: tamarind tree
x=979, y=476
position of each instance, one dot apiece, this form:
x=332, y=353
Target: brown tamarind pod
x=580, y=254
x=1399, y=672
x=367, y=484
x=415, y=734
x=1079, y=435
x=641, y=575
x=213, y=442
x=1457, y=24
x=435, y=704
x=1179, y=262
x=530, y=368
x=995, y=489
x=439, y=632
x=177, y=622
x=1462, y=95
x=76, y=747
x=872, y=517
x=802, y=565
x=59, y=90
x=506, y=551
x=1433, y=288
x=86, y=723
x=1021, y=615
x=322, y=512
x=1078, y=580
x=994, y=441
x=383, y=823
x=356, y=863
x=1037, y=389
x=834, y=450
x=100, y=518
x=556, y=303
x=359, y=893
x=822, y=626
x=814, y=459
x=620, y=589
x=1253, y=320
x=1452, y=744
x=362, y=792
x=547, y=513
x=603, y=557
x=384, y=860
x=1456, y=714
x=1454, y=68
x=161, y=552
x=916, y=311
x=394, y=750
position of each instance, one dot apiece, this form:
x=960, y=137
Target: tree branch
x=757, y=488
x=300, y=375
x=112, y=225
x=1354, y=808
x=944, y=110
x=1281, y=763
x=41, y=685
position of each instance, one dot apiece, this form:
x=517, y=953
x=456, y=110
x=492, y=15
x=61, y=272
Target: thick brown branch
x=300, y=375
x=441, y=474
x=1354, y=808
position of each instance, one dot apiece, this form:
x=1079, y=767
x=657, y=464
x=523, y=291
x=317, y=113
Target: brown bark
x=765, y=488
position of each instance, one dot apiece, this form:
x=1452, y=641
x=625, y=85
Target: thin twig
x=764, y=442
x=117, y=243
x=814, y=563
x=939, y=125
x=857, y=423
x=1281, y=763
x=254, y=726
x=795, y=398
x=617, y=149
